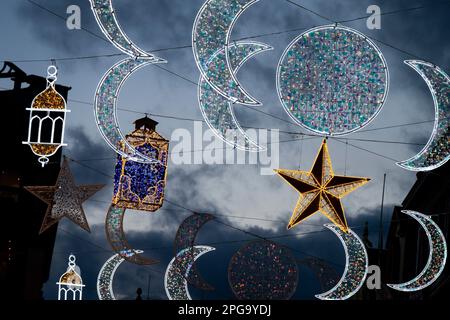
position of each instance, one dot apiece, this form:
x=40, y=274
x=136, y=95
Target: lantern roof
x=145, y=123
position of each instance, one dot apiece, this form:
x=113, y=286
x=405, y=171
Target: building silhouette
x=25, y=256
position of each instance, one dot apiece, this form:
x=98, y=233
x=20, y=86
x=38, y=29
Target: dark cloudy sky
x=32, y=33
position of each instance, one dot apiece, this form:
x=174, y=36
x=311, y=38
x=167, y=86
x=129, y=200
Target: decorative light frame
x=224, y=11
x=44, y=150
x=372, y=46
x=65, y=287
x=437, y=256
x=356, y=264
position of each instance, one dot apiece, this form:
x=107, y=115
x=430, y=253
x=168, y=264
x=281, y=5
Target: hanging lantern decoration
x=47, y=120
x=71, y=282
x=140, y=186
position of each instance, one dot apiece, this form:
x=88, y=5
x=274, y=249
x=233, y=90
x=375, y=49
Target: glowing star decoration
x=436, y=259
x=116, y=237
x=217, y=110
x=71, y=282
x=356, y=264
x=321, y=190
x=332, y=80
x=437, y=151
x=105, y=16
x=140, y=186
x=64, y=199
x=185, y=238
x=106, y=275
x=47, y=120
x=178, y=270
x=263, y=270
x=108, y=90
x=211, y=33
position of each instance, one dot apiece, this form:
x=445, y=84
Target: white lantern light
x=71, y=282
x=47, y=120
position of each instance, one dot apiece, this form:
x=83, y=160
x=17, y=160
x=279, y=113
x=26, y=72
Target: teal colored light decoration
x=332, y=80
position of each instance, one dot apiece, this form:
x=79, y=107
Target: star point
x=320, y=190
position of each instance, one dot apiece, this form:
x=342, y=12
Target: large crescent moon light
x=211, y=33
x=105, y=16
x=217, y=110
x=436, y=260
x=108, y=90
x=106, y=275
x=178, y=270
x=437, y=150
x=105, y=107
x=117, y=240
x=356, y=264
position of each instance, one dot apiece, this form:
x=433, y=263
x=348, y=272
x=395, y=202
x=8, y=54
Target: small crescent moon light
x=117, y=240
x=106, y=275
x=106, y=18
x=105, y=107
x=436, y=260
x=211, y=33
x=356, y=264
x=178, y=270
x=437, y=150
x=185, y=238
x=217, y=110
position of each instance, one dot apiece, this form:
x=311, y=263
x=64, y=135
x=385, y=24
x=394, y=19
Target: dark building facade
x=25, y=256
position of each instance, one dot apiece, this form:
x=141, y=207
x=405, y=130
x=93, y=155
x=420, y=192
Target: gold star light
x=64, y=199
x=321, y=190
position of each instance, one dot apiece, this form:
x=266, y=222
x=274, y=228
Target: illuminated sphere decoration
x=263, y=270
x=332, y=80
x=140, y=186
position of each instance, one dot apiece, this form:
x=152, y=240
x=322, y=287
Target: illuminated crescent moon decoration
x=356, y=265
x=436, y=260
x=106, y=275
x=437, y=150
x=332, y=80
x=105, y=107
x=105, y=104
x=185, y=239
x=217, y=110
x=178, y=270
x=117, y=240
x=105, y=16
x=211, y=33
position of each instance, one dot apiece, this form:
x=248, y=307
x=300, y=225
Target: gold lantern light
x=140, y=186
x=47, y=120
